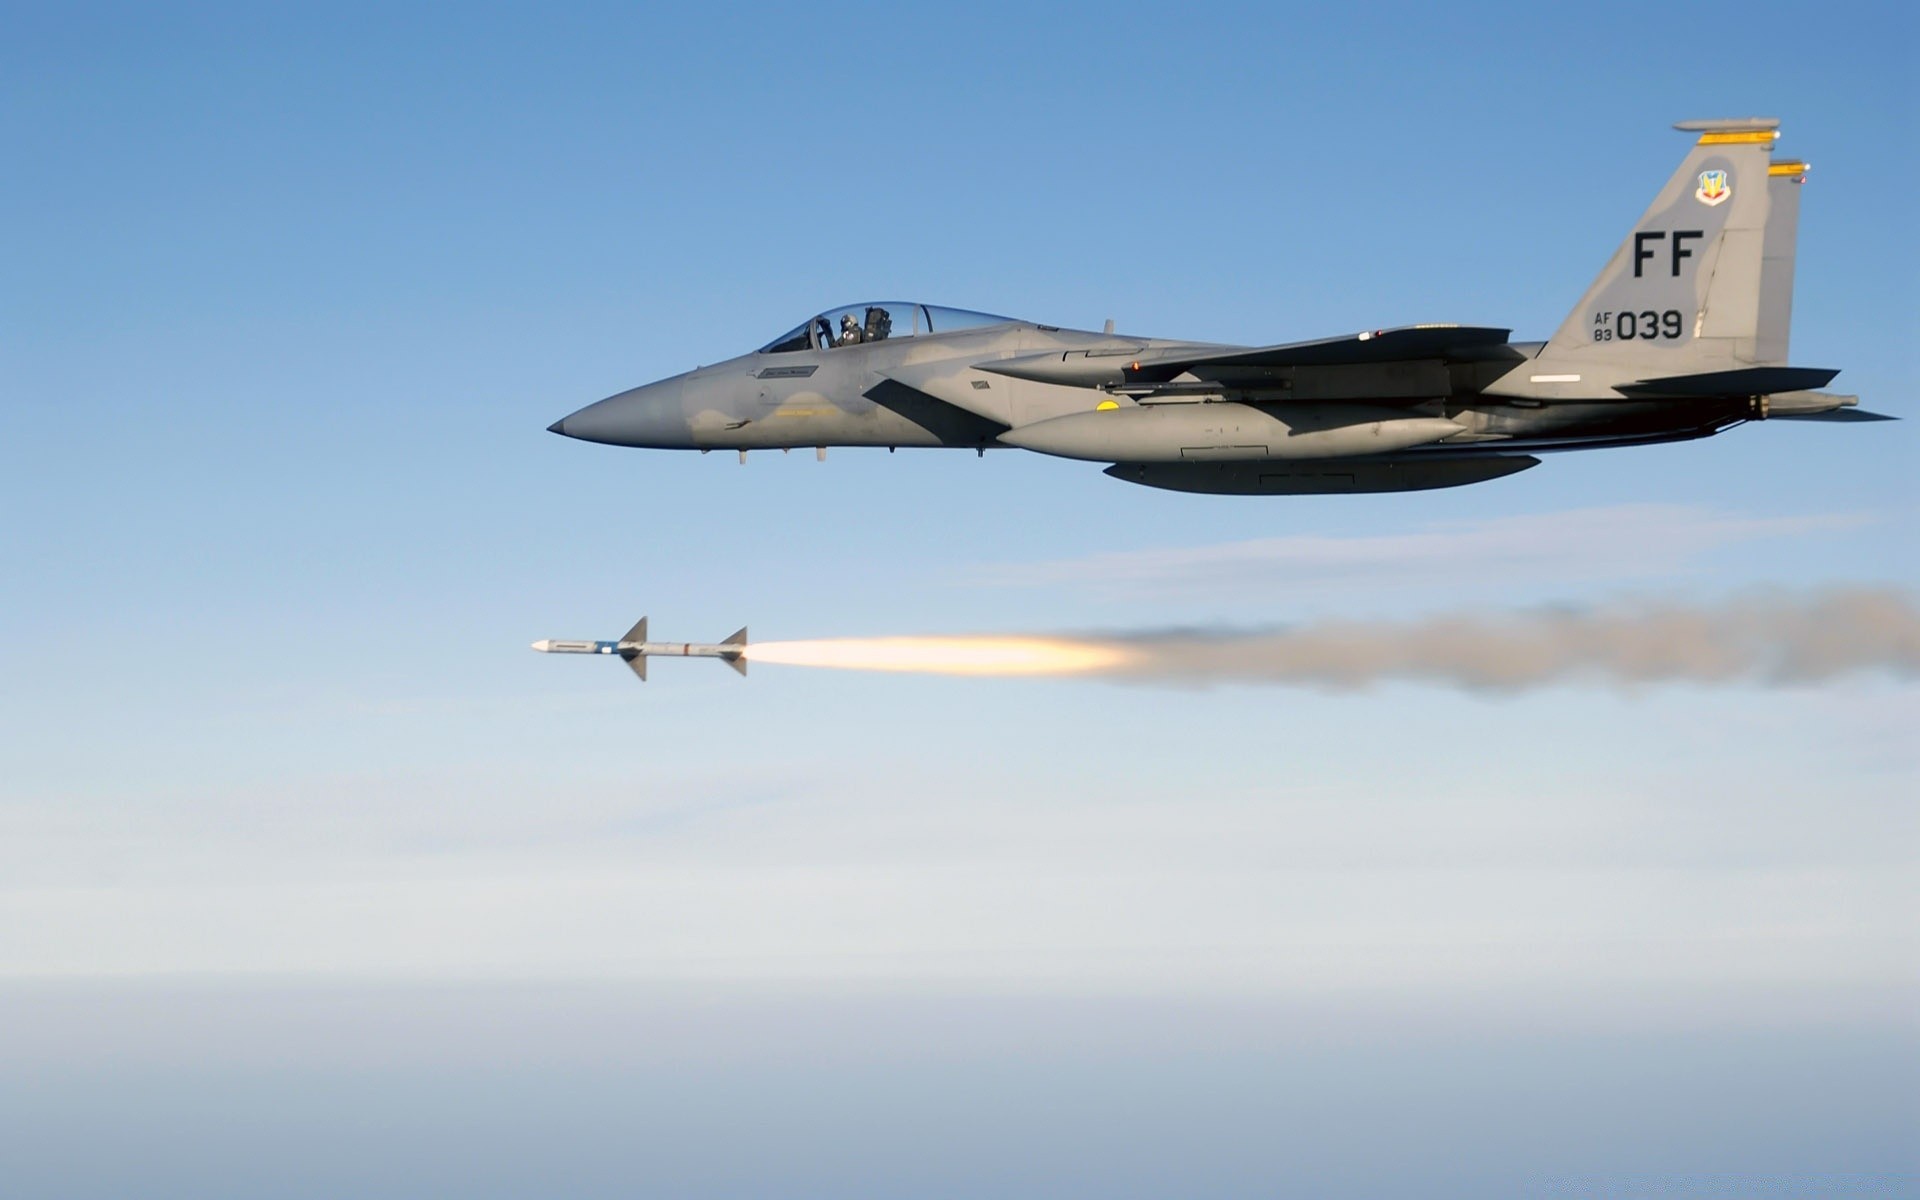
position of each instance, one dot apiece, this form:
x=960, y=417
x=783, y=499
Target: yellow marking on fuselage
x=1106, y=406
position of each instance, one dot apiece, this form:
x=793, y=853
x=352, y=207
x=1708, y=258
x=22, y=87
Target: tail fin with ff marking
x=1683, y=293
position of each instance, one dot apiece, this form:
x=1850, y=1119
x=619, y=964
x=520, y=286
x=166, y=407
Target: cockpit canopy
x=877, y=321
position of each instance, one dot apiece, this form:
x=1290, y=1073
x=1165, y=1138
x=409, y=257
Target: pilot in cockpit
x=850, y=331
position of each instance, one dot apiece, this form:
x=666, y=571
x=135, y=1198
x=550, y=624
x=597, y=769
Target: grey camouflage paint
x=1682, y=335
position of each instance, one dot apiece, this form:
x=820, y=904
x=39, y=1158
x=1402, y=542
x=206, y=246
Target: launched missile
x=636, y=649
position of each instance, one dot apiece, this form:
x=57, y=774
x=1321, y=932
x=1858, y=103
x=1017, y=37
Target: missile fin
x=639, y=664
x=737, y=661
x=737, y=638
x=637, y=634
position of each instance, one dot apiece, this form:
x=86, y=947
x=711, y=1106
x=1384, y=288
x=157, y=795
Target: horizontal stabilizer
x=1837, y=414
x=1747, y=381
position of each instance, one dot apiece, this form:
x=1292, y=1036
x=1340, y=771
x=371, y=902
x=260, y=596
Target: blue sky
x=289, y=299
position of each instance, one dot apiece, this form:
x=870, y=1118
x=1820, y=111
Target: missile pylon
x=636, y=649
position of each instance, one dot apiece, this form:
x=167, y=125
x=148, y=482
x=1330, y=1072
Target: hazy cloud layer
x=1633, y=541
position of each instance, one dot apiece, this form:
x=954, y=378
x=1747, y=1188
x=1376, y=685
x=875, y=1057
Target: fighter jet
x=1683, y=335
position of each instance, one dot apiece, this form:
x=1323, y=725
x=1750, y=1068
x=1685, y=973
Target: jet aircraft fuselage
x=1684, y=334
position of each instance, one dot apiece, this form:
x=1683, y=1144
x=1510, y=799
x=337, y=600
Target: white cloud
x=1623, y=542
x=1738, y=857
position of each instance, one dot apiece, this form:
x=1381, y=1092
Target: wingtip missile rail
x=635, y=649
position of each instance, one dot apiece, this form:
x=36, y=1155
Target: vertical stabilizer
x=1776, y=267
x=1681, y=294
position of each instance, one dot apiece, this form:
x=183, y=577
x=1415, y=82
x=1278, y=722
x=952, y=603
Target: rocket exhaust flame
x=981, y=655
x=1767, y=640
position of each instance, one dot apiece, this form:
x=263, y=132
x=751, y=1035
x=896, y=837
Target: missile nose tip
x=542, y=645
x=559, y=427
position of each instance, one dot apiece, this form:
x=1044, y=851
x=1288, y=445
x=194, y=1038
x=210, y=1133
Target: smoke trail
x=1766, y=640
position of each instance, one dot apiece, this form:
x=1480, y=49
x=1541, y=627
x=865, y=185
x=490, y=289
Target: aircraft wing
x=1410, y=342
x=1409, y=361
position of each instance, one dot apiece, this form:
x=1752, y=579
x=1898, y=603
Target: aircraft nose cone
x=649, y=416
